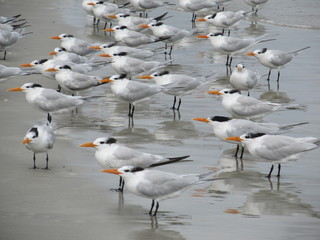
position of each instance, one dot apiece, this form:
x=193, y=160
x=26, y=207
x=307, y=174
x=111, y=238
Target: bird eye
x=225, y=91
x=102, y=142
x=127, y=170
x=116, y=78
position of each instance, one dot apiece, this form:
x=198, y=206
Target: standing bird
x=7, y=39
x=110, y=154
x=49, y=100
x=75, y=45
x=224, y=19
x=158, y=185
x=245, y=107
x=144, y=5
x=243, y=79
x=255, y=4
x=183, y=84
x=40, y=138
x=274, y=59
x=170, y=33
x=231, y=45
x=224, y=127
x=276, y=148
x=131, y=91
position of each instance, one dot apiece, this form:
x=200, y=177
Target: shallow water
x=73, y=201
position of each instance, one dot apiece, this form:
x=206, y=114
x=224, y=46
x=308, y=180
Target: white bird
x=274, y=59
x=231, y=45
x=40, y=138
x=131, y=38
x=8, y=72
x=255, y=4
x=224, y=127
x=130, y=66
x=133, y=22
x=41, y=65
x=132, y=91
x=169, y=33
x=110, y=48
x=88, y=8
x=75, y=45
x=110, y=154
x=7, y=39
x=145, y=5
x=74, y=81
x=181, y=84
x=243, y=106
x=158, y=185
x=276, y=148
x=101, y=10
x=224, y=19
x=243, y=79
x=49, y=100
x=61, y=54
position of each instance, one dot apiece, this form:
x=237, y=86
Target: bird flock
x=137, y=38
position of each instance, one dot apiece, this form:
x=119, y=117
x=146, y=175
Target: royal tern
x=61, y=54
x=74, y=81
x=110, y=48
x=255, y=4
x=132, y=22
x=110, y=154
x=131, y=91
x=158, y=185
x=49, y=100
x=7, y=39
x=183, y=84
x=244, y=106
x=170, y=33
x=243, y=79
x=101, y=10
x=41, y=65
x=40, y=138
x=195, y=6
x=224, y=19
x=131, y=38
x=8, y=72
x=88, y=8
x=231, y=45
x=145, y=5
x=276, y=148
x=75, y=45
x=130, y=66
x=224, y=127
x=274, y=59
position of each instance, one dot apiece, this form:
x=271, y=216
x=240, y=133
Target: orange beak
x=108, y=30
x=26, y=140
x=113, y=171
x=89, y=144
x=201, y=20
x=202, y=120
x=105, y=55
x=214, y=92
x=51, y=70
x=111, y=16
x=145, y=77
x=56, y=37
x=91, y=4
x=25, y=65
x=106, y=80
x=95, y=47
x=237, y=139
x=202, y=36
x=250, y=54
x=18, y=89
x=144, y=26
x=53, y=53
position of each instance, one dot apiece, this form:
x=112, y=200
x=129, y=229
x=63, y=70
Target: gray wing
x=281, y=58
x=250, y=106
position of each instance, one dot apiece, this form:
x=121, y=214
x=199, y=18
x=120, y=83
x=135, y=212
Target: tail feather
x=299, y=50
x=160, y=17
x=170, y=160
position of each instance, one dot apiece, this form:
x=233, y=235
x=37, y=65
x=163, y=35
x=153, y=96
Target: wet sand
x=73, y=200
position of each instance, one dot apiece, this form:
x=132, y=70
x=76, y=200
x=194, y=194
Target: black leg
x=5, y=54
x=152, y=205
x=227, y=60
x=228, y=32
x=130, y=105
x=174, y=102
x=279, y=169
x=132, y=110
x=179, y=104
x=47, y=162
x=269, y=75
x=269, y=175
x=230, y=61
x=49, y=117
x=278, y=80
x=170, y=50
x=236, y=154
x=155, y=212
x=34, y=161
x=242, y=150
